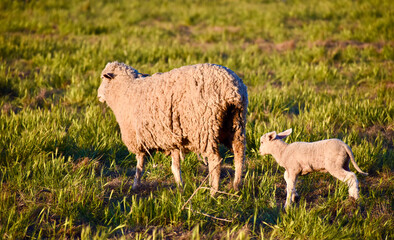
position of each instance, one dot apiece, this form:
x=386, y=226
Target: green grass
x=323, y=68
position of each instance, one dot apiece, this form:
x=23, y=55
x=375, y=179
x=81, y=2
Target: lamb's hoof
x=354, y=196
x=353, y=200
x=286, y=206
x=136, y=186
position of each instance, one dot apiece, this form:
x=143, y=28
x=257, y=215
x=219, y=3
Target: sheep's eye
x=109, y=75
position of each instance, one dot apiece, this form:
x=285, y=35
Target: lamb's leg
x=214, y=172
x=175, y=166
x=291, y=179
x=349, y=178
x=353, y=185
x=139, y=170
x=239, y=157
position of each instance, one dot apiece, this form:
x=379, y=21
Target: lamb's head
x=268, y=141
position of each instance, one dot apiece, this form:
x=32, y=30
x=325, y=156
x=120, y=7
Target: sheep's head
x=267, y=141
x=106, y=78
x=111, y=70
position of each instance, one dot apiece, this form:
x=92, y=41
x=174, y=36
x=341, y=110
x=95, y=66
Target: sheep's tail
x=350, y=153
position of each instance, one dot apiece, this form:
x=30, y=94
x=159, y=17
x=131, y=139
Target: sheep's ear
x=271, y=136
x=284, y=134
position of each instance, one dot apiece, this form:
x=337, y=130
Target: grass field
x=323, y=68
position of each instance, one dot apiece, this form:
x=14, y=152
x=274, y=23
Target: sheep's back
x=183, y=107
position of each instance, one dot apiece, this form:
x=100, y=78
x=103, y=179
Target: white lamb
x=301, y=158
x=192, y=108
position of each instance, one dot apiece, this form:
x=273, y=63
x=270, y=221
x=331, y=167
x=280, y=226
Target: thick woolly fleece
x=300, y=158
x=192, y=108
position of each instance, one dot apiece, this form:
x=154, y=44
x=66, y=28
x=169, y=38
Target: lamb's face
x=265, y=143
x=268, y=142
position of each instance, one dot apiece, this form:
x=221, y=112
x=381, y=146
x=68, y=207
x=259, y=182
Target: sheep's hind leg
x=214, y=172
x=349, y=178
x=291, y=180
x=295, y=197
x=239, y=158
x=175, y=167
x=139, y=170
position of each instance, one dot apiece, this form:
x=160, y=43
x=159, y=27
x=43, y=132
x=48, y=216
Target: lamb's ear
x=271, y=136
x=284, y=134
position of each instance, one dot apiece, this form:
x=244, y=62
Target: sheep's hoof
x=213, y=192
x=180, y=187
x=296, y=198
x=237, y=185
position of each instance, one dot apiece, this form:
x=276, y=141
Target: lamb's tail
x=350, y=153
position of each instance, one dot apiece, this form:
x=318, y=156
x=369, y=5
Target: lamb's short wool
x=300, y=158
x=192, y=108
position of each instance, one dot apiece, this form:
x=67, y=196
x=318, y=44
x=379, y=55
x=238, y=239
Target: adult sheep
x=192, y=108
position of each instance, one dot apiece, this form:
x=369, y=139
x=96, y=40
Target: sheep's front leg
x=291, y=179
x=175, y=167
x=139, y=170
x=214, y=173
